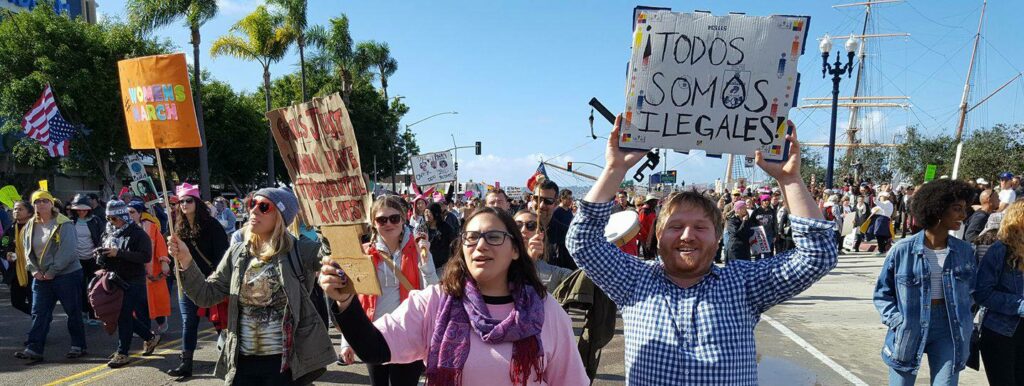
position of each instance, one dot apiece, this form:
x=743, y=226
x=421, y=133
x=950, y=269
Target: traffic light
x=477, y=147
x=568, y=166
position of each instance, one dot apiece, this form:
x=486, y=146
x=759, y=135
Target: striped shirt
x=703, y=334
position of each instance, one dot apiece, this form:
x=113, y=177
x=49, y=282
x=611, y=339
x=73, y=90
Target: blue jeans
x=134, y=316
x=67, y=289
x=939, y=348
x=189, y=323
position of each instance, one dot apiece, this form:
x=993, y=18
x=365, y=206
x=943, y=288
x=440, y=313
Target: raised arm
x=204, y=291
x=612, y=270
x=779, y=278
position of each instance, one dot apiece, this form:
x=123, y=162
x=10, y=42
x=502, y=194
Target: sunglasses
x=394, y=219
x=261, y=206
x=530, y=225
x=187, y=201
x=494, y=238
x=546, y=200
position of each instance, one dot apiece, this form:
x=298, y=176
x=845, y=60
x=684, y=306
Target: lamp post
x=398, y=140
x=837, y=70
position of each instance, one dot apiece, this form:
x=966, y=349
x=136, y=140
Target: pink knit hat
x=187, y=189
x=739, y=204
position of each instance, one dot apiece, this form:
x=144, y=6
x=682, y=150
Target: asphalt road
x=829, y=335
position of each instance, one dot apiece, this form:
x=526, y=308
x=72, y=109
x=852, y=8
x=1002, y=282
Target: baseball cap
x=1005, y=176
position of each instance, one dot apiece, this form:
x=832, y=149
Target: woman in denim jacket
x=999, y=289
x=923, y=291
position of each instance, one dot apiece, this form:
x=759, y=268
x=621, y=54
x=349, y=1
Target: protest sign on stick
x=433, y=168
x=318, y=145
x=159, y=110
x=722, y=84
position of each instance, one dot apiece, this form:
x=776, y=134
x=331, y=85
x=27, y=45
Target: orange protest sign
x=158, y=105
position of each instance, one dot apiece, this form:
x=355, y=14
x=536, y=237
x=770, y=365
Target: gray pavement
x=834, y=318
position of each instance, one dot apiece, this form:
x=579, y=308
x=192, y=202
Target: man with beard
x=687, y=320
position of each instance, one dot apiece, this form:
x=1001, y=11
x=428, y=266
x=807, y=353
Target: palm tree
x=378, y=55
x=264, y=38
x=295, y=14
x=336, y=51
x=147, y=15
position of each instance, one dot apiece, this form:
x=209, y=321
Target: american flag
x=45, y=124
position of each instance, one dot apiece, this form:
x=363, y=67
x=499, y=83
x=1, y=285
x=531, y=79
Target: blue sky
x=520, y=73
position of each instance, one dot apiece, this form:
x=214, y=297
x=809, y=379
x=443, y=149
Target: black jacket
x=7, y=245
x=975, y=224
x=740, y=232
x=441, y=244
x=212, y=242
x=134, y=250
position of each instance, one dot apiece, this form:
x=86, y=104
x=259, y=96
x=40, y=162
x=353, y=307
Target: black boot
x=184, y=370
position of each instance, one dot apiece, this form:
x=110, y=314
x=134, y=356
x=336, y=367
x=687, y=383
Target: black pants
x=405, y=374
x=21, y=297
x=259, y=370
x=839, y=242
x=883, y=243
x=1003, y=356
x=89, y=268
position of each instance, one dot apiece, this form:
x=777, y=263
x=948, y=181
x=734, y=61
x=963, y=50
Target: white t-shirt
x=1007, y=196
x=936, y=259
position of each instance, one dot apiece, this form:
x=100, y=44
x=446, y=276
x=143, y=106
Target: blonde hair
x=1011, y=233
x=279, y=241
x=386, y=201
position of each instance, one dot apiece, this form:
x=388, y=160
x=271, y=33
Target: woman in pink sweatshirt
x=489, y=321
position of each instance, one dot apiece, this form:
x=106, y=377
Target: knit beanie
x=117, y=208
x=284, y=200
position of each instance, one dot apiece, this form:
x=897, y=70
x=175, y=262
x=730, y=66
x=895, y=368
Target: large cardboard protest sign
x=319, y=149
x=722, y=84
x=158, y=104
x=433, y=168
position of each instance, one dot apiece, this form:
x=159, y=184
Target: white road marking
x=817, y=354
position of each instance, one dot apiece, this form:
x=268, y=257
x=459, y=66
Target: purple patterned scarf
x=449, y=345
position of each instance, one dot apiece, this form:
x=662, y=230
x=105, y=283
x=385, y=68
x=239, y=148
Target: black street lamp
x=837, y=70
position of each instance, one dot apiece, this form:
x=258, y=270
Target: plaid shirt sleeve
x=783, y=276
x=613, y=270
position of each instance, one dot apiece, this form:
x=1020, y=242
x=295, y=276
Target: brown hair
x=385, y=201
x=692, y=198
x=520, y=273
x=1011, y=233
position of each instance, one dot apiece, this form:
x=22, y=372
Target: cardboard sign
x=146, y=189
x=848, y=223
x=759, y=242
x=135, y=167
x=8, y=195
x=318, y=146
x=433, y=168
x=158, y=104
x=348, y=253
x=722, y=84
x=514, y=192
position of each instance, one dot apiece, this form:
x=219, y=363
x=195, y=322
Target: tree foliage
x=79, y=61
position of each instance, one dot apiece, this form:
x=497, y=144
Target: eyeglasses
x=546, y=200
x=260, y=205
x=187, y=201
x=494, y=238
x=530, y=225
x=394, y=219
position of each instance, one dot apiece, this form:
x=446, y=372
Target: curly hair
x=1011, y=233
x=934, y=198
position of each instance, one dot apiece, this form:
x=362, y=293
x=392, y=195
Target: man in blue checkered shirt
x=687, y=321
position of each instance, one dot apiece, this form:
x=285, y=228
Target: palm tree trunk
x=197, y=91
x=302, y=64
x=346, y=86
x=384, y=87
x=271, y=177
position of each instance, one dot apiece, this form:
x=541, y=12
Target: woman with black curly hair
x=924, y=290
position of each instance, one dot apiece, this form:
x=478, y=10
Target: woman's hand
x=333, y=280
x=784, y=172
x=178, y=249
x=535, y=246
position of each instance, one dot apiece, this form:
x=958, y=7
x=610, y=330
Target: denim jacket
x=903, y=298
x=999, y=289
